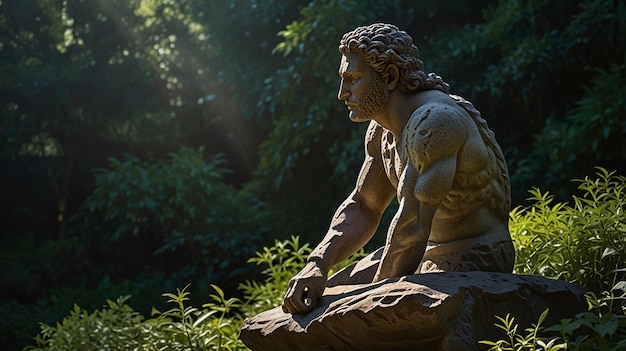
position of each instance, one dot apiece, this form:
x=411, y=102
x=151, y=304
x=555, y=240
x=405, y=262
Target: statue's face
x=361, y=88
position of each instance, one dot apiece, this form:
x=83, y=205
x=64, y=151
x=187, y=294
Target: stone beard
x=374, y=100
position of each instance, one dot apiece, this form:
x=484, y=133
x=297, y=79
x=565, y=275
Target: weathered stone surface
x=433, y=311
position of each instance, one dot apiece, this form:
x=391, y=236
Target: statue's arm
x=357, y=218
x=353, y=224
x=432, y=145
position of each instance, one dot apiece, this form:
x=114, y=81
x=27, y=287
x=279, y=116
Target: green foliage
x=300, y=131
x=148, y=224
x=19, y=318
x=135, y=195
x=182, y=203
x=598, y=328
x=184, y=327
x=35, y=263
x=585, y=244
x=87, y=80
x=597, y=121
x=66, y=61
x=549, y=78
x=215, y=326
x=531, y=341
x=581, y=243
x=593, y=330
x=118, y=327
x=281, y=262
x=115, y=327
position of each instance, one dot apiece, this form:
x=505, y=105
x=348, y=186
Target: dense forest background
x=147, y=144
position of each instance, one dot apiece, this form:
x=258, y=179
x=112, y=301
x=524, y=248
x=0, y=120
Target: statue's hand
x=305, y=289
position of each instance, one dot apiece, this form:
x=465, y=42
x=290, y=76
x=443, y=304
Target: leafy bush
x=282, y=262
x=183, y=327
x=34, y=263
x=18, y=319
x=517, y=341
x=583, y=243
x=595, y=329
x=114, y=327
x=588, y=135
x=118, y=327
x=598, y=328
x=177, y=205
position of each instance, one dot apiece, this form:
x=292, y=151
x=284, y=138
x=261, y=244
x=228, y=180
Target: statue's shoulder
x=435, y=129
x=442, y=116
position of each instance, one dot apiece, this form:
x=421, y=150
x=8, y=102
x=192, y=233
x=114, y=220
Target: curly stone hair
x=383, y=44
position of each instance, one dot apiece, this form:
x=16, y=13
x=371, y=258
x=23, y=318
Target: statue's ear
x=393, y=76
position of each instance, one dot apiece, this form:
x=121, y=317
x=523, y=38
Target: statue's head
x=383, y=44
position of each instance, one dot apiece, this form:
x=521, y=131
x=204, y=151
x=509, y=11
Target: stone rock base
x=433, y=311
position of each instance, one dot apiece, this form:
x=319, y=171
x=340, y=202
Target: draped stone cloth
x=485, y=253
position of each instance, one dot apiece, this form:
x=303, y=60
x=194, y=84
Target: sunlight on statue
x=431, y=150
x=445, y=270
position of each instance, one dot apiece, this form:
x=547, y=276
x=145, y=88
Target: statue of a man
x=431, y=150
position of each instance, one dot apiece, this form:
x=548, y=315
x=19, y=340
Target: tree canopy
x=152, y=140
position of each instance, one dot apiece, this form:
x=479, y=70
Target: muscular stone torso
x=477, y=203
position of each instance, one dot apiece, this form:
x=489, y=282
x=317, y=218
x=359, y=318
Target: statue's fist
x=304, y=290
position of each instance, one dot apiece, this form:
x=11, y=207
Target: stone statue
x=434, y=152
x=445, y=270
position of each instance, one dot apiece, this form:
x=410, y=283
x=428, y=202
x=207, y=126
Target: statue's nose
x=343, y=92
